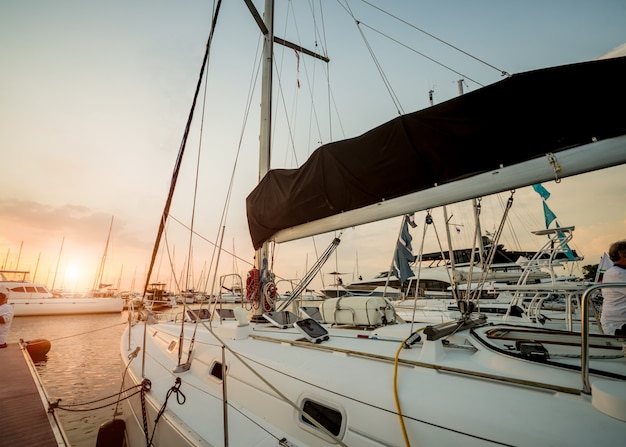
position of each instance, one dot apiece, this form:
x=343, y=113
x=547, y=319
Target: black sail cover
x=519, y=118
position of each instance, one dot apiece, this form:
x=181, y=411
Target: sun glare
x=72, y=274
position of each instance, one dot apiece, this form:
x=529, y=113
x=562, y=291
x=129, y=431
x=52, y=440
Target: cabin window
x=216, y=370
x=30, y=289
x=329, y=418
x=42, y=290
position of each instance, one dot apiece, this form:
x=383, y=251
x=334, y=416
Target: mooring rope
x=69, y=407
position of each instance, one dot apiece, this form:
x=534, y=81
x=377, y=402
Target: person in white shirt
x=613, y=318
x=6, y=316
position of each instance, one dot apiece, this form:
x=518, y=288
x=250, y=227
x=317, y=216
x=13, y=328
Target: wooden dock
x=25, y=420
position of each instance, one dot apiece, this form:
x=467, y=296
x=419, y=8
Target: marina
x=210, y=344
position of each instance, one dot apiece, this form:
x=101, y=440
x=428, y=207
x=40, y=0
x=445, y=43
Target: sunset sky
x=95, y=98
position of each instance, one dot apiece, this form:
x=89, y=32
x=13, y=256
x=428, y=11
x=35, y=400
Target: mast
x=261, y=260
x=19, y=255
x=266, y=25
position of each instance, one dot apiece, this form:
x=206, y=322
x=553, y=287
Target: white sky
x=95, y=96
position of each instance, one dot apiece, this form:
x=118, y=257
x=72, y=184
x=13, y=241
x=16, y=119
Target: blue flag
x=550, y=217
x=403, y=255
x=543, y=192
x=568, y=251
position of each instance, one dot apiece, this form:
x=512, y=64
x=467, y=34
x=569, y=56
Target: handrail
x=584, y=331
x=572, y=291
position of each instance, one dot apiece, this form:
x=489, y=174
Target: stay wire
x=502, y=72
x=392, y=94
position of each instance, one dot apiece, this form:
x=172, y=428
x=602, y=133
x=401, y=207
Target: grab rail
x=584, y=331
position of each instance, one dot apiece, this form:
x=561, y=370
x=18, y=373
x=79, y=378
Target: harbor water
x=82, y=368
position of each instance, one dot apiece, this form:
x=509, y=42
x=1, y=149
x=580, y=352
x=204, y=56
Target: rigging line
x=204, y=238
x=418, y=262
x=311, y=96
x=441, y=64
x=280, y=94
x=289, y=127
x=171, y=263
x=195, y=188
x=324, y=51
x=393, y=95
x=315, y=119
x=451, y=278
x=222, y=227
x=181, y=151
x=332, y=105
x=218, y=248
x=494, y=248
x=326, y=68
x=475, y=246
x=502, y=72
x=321, y=35
x=513, y=233
x=88, y=332
x=130, y=357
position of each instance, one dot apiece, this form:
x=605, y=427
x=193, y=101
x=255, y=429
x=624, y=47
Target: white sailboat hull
x=65, y=306
x=460, y=392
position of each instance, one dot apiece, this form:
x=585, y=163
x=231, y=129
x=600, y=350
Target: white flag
x=605, y=263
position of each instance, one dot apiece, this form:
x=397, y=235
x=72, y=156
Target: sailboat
x=34, y=299
x=362, y=377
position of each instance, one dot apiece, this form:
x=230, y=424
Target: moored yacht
x=34, y=299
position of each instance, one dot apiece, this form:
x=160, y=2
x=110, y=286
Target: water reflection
x=81, y=366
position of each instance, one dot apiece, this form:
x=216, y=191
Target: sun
x=72, y=273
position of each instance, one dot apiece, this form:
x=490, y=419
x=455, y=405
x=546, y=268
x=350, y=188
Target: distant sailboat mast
x=98, y=280
x=58, y=260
